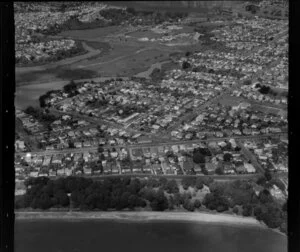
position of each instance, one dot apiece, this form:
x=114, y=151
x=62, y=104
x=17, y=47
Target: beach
x=145, y=216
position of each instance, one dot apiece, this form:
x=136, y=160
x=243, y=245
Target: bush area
x=70, y=89
x=113, y=193
x=43, y=98
x=158, y=195
x=241, y=193
x=40, y=115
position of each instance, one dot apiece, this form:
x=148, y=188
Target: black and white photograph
x=149, y=126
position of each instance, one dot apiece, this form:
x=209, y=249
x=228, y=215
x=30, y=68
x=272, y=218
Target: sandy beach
x=145, y=216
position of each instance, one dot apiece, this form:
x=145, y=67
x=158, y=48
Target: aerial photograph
x=151, y=126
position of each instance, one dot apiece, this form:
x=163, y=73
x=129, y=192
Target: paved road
x=176, y=177
x=144, y=145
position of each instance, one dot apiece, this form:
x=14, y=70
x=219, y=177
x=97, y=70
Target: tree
x=100, y=149
x=163, y=181
x=197, y=203
x=39, y=181
x=185, y=65
x=134, y=186
x=227, y=157
x=247, y=210
x=265, y=197
x=258, y=211
x=261, y=180
x=207, y=180
x=216, y=201
x=199, y=183
x=171, y=203
x=268, y=175
x=283, y=227
x=272, y=216
x=186, y=182
x=71, y=145
x=198, y=158
x=153, y=183
x=42, y=201
x=40, y=145
x=235, y=210
x=264, y=90
x=148, y=194
x=171, y=186
x=132, y=201
x=160, y=202
x=188, y=205
x=62, y=198
x=20, y=202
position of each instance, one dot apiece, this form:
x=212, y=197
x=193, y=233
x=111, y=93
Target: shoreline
x=144, y=216
x=147, y=216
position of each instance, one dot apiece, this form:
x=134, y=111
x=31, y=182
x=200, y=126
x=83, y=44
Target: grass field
x=131, y=64
x=228, y=100
x=97, y=34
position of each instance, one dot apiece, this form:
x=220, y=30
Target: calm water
x=99, y=235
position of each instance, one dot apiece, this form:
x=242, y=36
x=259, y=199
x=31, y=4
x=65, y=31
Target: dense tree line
x=223, y=196
x=71, y=89
x=86, y=194
x=159, y=195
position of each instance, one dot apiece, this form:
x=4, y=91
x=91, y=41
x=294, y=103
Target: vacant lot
x=228, y=100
